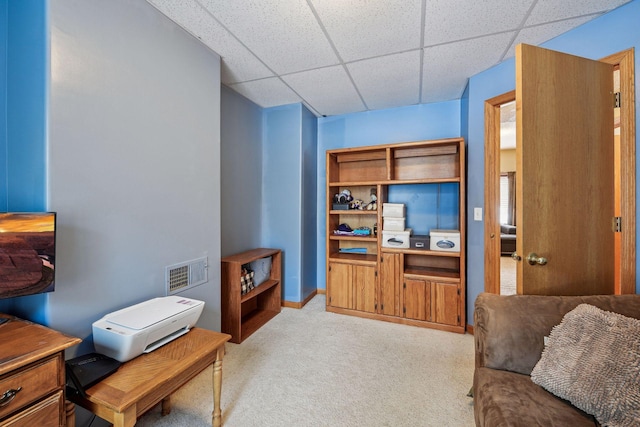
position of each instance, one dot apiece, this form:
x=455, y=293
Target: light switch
x=477, y=214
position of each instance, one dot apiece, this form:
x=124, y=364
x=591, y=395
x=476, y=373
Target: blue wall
x=4, y=34
x=608, y=34
x=281, y=189
x=413, y=123
x=24, y=44
x=26, y=93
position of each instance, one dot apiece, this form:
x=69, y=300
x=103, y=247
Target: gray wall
x=309, y=209
x=240, y=172
x=134, y=159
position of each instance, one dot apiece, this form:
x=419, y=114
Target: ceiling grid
x=339, y=57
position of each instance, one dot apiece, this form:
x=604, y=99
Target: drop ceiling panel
x=344, y=56
x=548, y=11
x=328, y=90
x=285, y=33
x=366, y=28
x=451, y=20
x=267, y=92
x=542, y=33
x=448, y=67
x=388, y=81
x=238, y=63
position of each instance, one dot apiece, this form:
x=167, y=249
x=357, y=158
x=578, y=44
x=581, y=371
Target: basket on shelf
x=246, y=280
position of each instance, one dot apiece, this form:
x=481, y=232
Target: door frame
x=625, y=62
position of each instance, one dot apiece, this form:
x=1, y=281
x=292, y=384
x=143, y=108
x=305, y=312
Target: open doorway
x=507, y=213
x=625, y=179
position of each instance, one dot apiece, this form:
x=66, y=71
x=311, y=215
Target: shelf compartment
x=263, y=287
x=371, y=239
x=360, y=259
x=369, y=165
x=353, y=212
x=423, y=252
x=252, y=321
x=433, y=273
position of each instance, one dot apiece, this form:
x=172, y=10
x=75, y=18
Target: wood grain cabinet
x=32, y=375
x=242, y=315
x=352, y=286
x=413, y=286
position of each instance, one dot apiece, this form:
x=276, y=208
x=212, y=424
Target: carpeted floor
x=309, y=367
x=507, y=276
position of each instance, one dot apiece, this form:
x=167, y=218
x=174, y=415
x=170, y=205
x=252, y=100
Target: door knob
x=534, y=259
x=516, y=257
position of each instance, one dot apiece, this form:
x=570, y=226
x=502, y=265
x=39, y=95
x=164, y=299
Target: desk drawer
x=46, y=413
x=36, y=381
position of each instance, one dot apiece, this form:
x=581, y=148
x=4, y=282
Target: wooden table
x=151, y=378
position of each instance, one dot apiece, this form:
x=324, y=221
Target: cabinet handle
x=8, y=396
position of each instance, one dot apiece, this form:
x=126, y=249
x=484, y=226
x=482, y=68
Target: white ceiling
x=345, y=56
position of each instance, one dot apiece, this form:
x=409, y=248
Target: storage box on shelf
x=242, y=314
x=403, y=284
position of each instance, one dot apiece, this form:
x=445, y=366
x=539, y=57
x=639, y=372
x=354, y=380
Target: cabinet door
x=389, y=284
x=446, y=303
x=417, y=299
x=364, y=287
x=340, y=285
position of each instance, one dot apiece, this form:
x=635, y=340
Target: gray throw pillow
x=592, y=360
x=262, y=269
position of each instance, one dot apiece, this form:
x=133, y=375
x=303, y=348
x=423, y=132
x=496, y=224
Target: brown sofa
x=509, y=336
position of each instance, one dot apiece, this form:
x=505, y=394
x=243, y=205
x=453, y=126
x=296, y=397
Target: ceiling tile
x=388, y=81
x=329, y=90
x=447, y=67
x=451, y=20
x=542, y=33
x=551, y=10
x=284, y=34
x=366, y=28
x=267, y=92
x=238, y=64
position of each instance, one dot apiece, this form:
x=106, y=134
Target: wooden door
x=340, y=283
x=389, y=284
x=417, y=299
x=446, y=303
x=364, y=288
x=564, y=154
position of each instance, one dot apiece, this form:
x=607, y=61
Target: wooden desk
x=151, y=378
x=32, y=369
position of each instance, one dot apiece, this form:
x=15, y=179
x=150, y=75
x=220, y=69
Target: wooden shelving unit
x=242, y=315
x=412, y=286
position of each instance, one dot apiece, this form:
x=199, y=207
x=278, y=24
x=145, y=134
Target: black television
x=27, y=253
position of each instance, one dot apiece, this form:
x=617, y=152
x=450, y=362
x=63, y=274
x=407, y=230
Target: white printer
x=141, y=328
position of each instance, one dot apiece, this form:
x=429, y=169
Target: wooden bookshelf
x=242, y=315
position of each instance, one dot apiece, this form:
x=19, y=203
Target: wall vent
x=185, y=275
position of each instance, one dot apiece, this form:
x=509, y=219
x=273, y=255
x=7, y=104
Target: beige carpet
x=312, y=368
x=507, y=276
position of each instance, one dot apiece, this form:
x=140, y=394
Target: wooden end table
x=151, y=378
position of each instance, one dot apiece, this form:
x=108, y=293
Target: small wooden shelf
x=263, y=287
x=372, y=239
x=353, y=258
x=422, y=252
x=395, y=181
x=254, y=320
x=431, y=273
x=242, y=315
x=352, y=212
